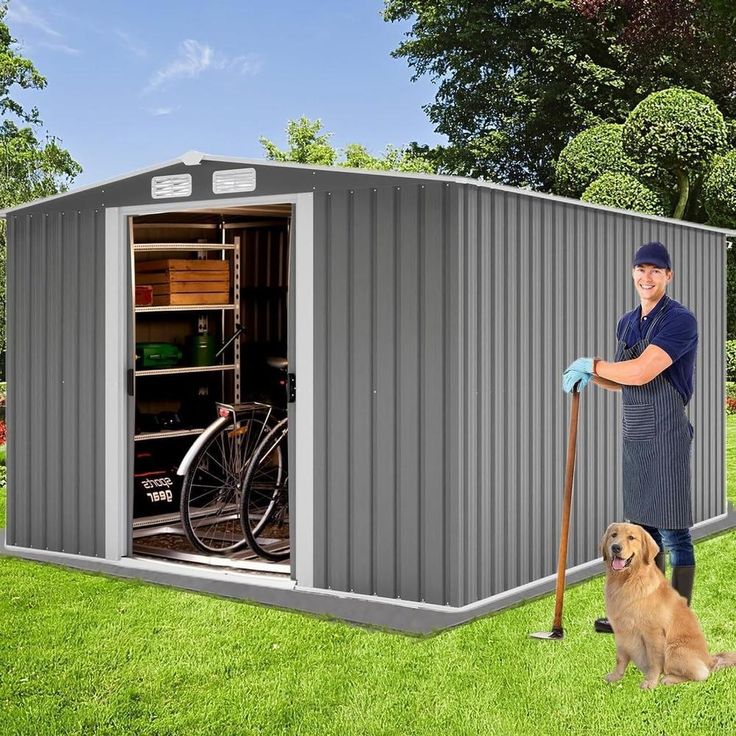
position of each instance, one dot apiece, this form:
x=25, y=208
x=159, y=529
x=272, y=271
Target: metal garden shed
x=426, y=321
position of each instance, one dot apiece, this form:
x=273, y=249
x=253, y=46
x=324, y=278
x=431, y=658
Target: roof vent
x=233, y=180
x=174, y=185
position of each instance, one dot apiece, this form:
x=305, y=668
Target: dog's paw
x=671, y=680
x=612, y=677
x=648, y=684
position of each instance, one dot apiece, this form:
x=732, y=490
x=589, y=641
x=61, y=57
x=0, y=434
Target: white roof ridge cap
x=192, y=158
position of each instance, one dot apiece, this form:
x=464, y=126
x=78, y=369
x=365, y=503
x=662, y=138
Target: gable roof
x=194, y=158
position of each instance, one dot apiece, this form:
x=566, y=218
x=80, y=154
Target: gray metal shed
x=429, y=320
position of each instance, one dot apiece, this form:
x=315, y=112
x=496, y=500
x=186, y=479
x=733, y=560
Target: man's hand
x=579, y=372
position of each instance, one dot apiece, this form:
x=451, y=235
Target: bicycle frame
x=213, y=429
x=226, y=414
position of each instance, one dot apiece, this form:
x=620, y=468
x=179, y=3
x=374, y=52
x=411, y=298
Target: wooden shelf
x=168, y=435
x=184, y=308
x=142, y=247
x=184, y=369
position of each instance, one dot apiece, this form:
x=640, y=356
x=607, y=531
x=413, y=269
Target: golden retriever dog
x=652, y=624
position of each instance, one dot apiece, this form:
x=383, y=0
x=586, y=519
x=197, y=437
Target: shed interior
x=210, y=296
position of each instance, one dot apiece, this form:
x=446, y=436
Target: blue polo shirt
x=676, y=333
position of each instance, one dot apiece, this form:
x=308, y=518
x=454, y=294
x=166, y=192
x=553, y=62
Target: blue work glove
x=579, y=371
x=571, y=378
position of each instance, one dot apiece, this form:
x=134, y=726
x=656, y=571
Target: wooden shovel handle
x=566, y=507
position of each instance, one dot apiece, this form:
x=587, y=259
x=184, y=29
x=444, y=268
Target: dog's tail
x=723, y=659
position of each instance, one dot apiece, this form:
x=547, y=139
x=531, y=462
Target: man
x=653, y=368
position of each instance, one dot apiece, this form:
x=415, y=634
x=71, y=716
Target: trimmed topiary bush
x=719, y=191
x=675, y=128
x=589, y=155
x=624, y=192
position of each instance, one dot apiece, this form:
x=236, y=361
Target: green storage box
x=156, y=355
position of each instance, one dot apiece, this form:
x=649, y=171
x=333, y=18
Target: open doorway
x=211, y=296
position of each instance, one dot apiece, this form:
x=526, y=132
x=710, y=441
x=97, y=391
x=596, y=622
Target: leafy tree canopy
x=308, y=144
x=32, y=168
x=719, y=191
x=678, y=30
x=517, y=79
x=15, y=71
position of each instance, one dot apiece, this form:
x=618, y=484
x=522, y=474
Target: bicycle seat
x=279, y=363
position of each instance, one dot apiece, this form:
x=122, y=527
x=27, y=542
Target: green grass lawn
x=87, y=654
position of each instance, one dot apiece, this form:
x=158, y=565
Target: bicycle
x=264, y=513
x=235, y=488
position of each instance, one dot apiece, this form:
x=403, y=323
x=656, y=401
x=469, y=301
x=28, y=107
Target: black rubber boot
x=683, y=577
x=603, y=626
x=659, y=560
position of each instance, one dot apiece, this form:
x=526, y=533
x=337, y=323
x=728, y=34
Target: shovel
x=557, y=630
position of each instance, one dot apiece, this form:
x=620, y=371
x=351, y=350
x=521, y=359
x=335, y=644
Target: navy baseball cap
x=653, y=253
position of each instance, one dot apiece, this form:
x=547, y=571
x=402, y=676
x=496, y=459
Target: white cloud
x=195, y=58
x=59, y=47
x=128, y=42
x=158, y=112
x=21, y=14
x=192, y=61
x=250, y=64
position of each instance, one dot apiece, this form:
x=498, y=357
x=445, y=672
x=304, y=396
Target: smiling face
x=651, y=283
x=627, y=545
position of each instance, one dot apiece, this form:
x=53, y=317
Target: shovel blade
x=554, y=634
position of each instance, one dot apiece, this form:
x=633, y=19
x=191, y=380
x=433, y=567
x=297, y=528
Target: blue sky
x=134, y=83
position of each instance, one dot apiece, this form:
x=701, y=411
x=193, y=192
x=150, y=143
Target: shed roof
x=194, y=158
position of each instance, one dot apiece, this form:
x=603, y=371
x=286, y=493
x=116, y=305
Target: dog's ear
x=650, y=549
x=604, y=542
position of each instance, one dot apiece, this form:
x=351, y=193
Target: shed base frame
x=274, y=590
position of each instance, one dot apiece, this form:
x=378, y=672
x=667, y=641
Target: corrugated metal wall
x=543, y=282
x=383, y=507
x=265, y=280
x=55, y=368
x=444, y=316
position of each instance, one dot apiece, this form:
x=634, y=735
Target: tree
x=591, y=153
x=307, y=144
x=519, y=78
x=32, y=168
x=32, y=163
x=625, y=192
x=679, y=131
x=719, y=191
x=676, y=28
x=666, y=148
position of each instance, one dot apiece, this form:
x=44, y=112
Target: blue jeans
x=677, y=542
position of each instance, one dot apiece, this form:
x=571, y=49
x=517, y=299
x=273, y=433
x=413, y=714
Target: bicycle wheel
x=211, y=497
x=265, y=513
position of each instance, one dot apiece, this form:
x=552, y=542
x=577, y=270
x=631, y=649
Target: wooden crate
x=184, y=281
x=181, y=277
x=181, y=264
x=191, y=287
x=213, y=297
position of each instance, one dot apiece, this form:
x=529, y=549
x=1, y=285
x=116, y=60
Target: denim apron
x=657, y=438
